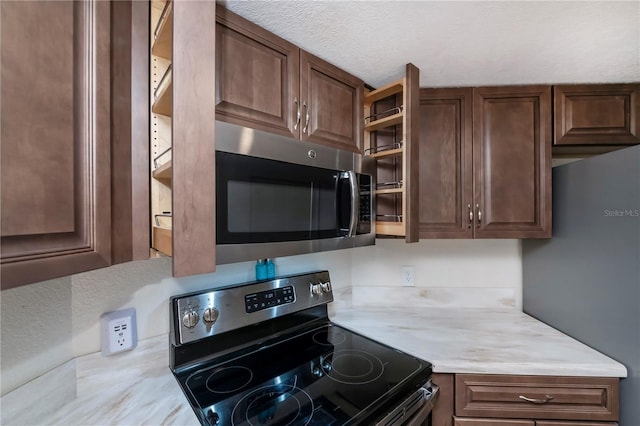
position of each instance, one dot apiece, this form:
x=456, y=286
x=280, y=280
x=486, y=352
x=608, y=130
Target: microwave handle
x=355, y=203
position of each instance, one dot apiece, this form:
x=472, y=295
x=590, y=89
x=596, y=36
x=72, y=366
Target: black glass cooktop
x=325, y=376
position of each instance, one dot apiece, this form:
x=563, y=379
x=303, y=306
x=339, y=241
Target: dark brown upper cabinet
x=332, y=104
x=267, y=83
x=56, y=189
x=597, y=114
x=445, y=163
x=485, y=159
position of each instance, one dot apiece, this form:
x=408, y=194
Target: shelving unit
x=161, y=123
x=391, y=137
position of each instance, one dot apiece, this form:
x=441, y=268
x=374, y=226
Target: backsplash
x=458, y=273
x=44, y=325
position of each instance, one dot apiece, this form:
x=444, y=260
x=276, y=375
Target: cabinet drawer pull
x=298, y=115
x=546, y=399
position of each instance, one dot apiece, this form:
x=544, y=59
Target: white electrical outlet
x=408, y=276
x=118, y=331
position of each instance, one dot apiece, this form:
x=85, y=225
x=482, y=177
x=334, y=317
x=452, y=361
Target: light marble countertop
x=137, y=387
x=479, y=341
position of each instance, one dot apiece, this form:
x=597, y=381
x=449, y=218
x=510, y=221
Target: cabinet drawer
x=537, y=397
x=553, y=423
x=459, y=421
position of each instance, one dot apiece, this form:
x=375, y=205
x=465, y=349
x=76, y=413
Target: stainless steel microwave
x=276, y=196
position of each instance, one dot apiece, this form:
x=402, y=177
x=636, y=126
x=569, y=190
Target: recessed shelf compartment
x=384, y=92
x=163, y=172
x=389, y=191
x=163, y=95
x=163, y=33
x=389, y=121
x=390, y=228
x=391, y=138
x=162, y=240
x=396, y=152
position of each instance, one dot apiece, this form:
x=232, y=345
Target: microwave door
x=262, y=201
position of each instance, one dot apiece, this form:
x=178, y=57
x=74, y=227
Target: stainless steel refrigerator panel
x=585, y=281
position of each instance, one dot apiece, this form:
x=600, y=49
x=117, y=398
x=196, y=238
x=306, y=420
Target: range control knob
x=316, y=289
x=190, y=319
x=326, y=287
x=210, y=315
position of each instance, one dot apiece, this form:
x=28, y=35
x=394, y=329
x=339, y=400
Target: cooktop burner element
x=229, y=379
x=287, y=368
x=324, y=337
x=352, y=366
x=274, y=405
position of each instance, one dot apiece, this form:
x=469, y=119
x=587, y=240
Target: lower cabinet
x=511, y=400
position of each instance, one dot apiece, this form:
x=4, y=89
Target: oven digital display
x=268, y=299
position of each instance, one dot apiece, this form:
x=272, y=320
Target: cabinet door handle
x=544, y=400
x=298, y=115
x=306, y=123
x=479, y=213
x=470, y=213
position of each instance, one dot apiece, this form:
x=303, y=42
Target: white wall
x=45, y=324
x=459, y=273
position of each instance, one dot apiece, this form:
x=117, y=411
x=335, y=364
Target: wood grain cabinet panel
x=485, y=162
x=445, y=163
x=597, y=114
x=332, y=114
x=257, y=76
x=512, y=161
x=464, y=421
x=267, y=83
x=554, y=423
x=55, y=120
x=537, y=397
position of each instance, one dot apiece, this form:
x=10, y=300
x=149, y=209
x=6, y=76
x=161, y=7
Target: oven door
x=415, y=410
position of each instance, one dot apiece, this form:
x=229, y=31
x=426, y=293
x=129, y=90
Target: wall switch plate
x=118, y=331
x=408, y=276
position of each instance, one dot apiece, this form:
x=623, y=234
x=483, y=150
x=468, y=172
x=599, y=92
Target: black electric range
x=265, y=353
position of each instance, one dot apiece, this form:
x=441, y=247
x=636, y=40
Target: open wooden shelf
x=389, y=191
x=387, y=153
x=162, y=240
x=164, y=102
x=163, y=172
x=384, y=92
x=389, y=121
x=390, y=228
x=399, y=132
x=162, y=44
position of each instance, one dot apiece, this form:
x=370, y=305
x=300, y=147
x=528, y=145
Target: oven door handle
x=355, y=203
x=423, y=412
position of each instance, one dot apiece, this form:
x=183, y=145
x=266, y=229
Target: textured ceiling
x=457, y=43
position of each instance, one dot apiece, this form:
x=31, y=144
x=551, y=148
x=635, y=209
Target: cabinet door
x=446, y=181
x=332, y=108
x=193, y=153
x=512, y=161
x=257, y=79
x=597, y=114
x=554, y=423
x=55, y=121
x=463, y=421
